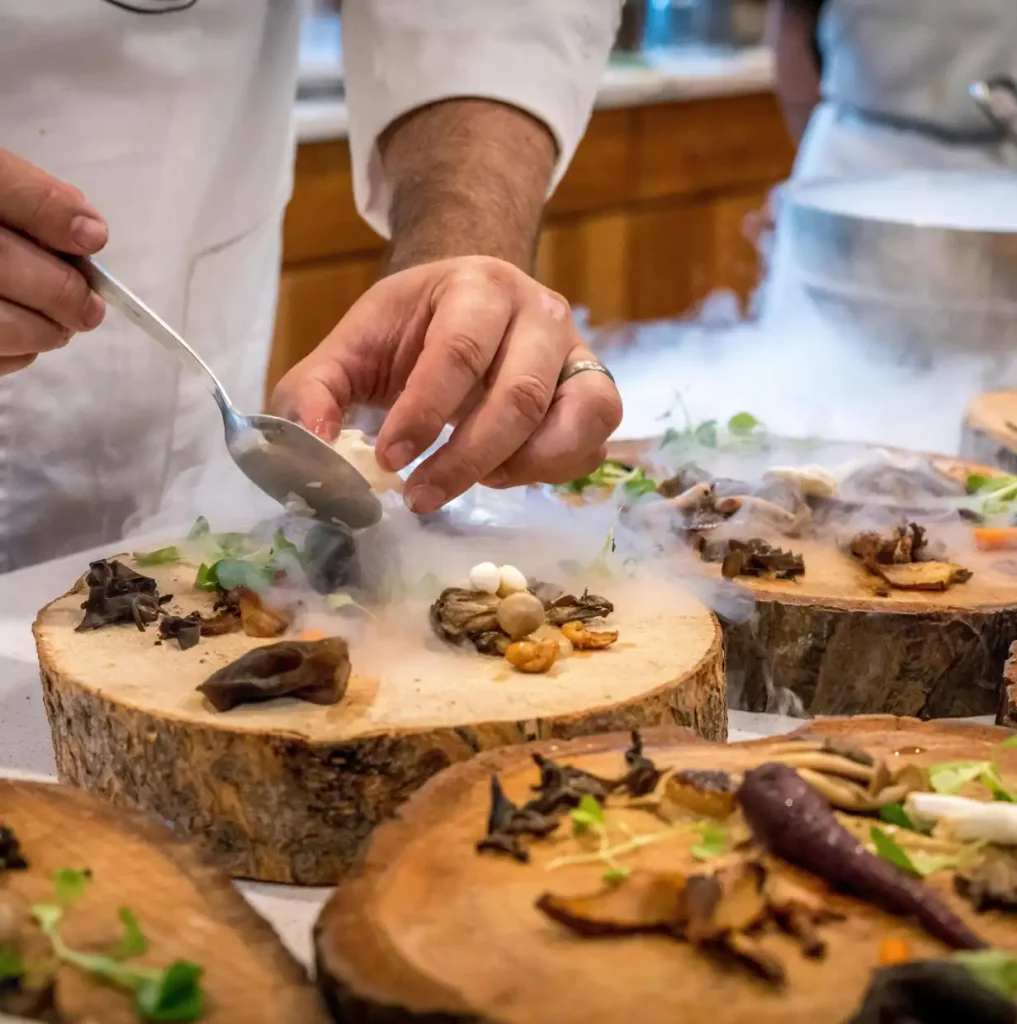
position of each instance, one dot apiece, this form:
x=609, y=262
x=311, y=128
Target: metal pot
x=919, y=264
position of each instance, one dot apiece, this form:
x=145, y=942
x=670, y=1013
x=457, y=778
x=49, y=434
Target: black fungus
x=931, y=992
x=795, y=822
x=11, y=857
x=507, y=824
x=186, y=630
x=643, y=775
x=561, y=786
x=313, y=670
x=754, y=557
x=116, y=593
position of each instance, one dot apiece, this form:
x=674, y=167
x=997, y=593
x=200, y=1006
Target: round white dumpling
x=485, y=577
x=511, y=581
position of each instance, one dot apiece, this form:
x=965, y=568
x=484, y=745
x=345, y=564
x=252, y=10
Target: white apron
x=178, y=127
x=895, y=85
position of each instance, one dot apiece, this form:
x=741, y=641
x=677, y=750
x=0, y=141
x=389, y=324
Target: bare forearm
x=469, y=177
x=791, y=31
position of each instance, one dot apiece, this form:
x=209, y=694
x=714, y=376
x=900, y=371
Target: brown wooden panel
x=312, y=300
x=586, y=259
x=601, y=172
x=321, y=220
x=710, y=145
x=736, y=262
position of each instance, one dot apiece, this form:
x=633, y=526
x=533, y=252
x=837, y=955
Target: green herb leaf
x=993, y=968
x=175, y=995
x=615, y=876
x=706, y=434
x=236, y=572
x=888, y=849
x=638, y=483
x=979, y=484
x=993, y=782
x=894, y=814
x=133, y=942
x=161, y=556
x=199, y=529
x=1010, y=743
x=670, y=436
x=742, y=423
x=951, y=776
x=70, y=884
x=712, y=843
x=206, y=578
x=283, y=545
x=926, y=864
x=11, y=964
x=588, y=815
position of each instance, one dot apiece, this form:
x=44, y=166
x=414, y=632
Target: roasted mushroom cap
x=459, y=615
x=116, y=593
x=313, y=670
x=569, y=608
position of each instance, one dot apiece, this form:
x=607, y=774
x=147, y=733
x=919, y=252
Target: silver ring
x=581, y=365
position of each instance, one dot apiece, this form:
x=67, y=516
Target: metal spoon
x=280, y=457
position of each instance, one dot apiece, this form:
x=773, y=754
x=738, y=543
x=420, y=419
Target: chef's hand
x=43, y=300
x=471, y=341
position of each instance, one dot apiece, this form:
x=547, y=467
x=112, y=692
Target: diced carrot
x=995, y=538
x=312, y=634
x=894, y=951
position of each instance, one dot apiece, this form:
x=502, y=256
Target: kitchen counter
x=695, y=73
x=26, y=751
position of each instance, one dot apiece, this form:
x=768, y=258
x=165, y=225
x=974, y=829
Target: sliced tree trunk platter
x=990, y=430
x=287, y=791
x=187, y=910
x=839, y=641
x=429, y=930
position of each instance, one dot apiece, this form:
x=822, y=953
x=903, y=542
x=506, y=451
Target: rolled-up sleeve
x=543, y=56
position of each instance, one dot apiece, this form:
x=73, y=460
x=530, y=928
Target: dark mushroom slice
x=317, y=671
x=11, y=857
x=562, y=786
x=643, y=775
x=686, y=477
x=460, y=615
x=330, y=558
x=794, y=822
x=507, y=824
x=569, y=608
x=118, y=594
x=186, y=630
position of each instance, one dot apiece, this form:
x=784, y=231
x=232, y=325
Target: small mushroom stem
x=829, y=764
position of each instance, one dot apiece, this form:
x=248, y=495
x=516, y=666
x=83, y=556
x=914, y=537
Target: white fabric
x=913, y=60
x=544, y=56
x=178, y=126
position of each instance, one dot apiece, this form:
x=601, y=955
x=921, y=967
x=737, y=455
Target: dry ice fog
x=797, y=371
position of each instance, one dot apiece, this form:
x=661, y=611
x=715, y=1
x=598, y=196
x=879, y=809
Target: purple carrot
x=796, y=823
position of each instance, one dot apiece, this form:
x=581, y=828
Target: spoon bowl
x=287, y=462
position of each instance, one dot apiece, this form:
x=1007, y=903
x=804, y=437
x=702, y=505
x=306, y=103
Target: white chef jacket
x=178, y=126
x=896, y=75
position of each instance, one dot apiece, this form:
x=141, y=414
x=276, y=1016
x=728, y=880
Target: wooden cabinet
x=646, y=223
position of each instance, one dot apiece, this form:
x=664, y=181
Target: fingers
x=569, y=443
x=50, y=211
x=38, y=280
x=313, y=394
x=24, y=333
x=471, y=315
x=515, y=403
x=11, y=364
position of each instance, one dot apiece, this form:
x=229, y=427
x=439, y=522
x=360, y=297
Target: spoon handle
x=123, y=299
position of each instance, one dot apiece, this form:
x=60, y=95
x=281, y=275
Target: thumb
x=48, y=210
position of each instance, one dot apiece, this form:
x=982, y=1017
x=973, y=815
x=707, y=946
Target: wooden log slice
x=990, y=430
x=429, y=930
x=287, y=791
x=839, y=641
x=187, y=909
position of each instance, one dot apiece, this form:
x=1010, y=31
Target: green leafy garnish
x=712, y=843
x=175, y=995
x=133, y=941
x=615, y=876
x=992, y=967
x=11, y=965
x=612, y=474
x=920, y=864
x=161, y=556
x=160, y=994
x=70, y=884
x=283, y=545
x=1009, y=744
x=588, y=815
x=951, y=776
x=199, y=529
x=742, y=423
x=228, y=573
x=894, y=814
x=206, y=578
